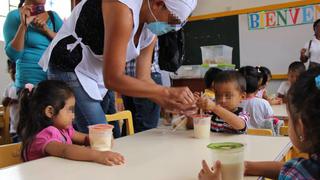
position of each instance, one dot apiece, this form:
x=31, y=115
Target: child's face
x=292, y=76
x=65, y=115
x=228, y=95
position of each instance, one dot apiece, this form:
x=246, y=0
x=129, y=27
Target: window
x=63, y=8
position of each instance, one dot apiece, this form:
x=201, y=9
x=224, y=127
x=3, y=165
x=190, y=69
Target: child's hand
x=207, y=174
x=109, y=158
x=206, y=104
x=276, y=101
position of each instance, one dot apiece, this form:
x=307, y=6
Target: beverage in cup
x=100, y=136
x=231, y=156
x=201, y=126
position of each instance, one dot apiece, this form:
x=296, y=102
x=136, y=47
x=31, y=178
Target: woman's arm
x=144, y=63
x=80, y=153
x=269, y=169
x=118, y=28
x=18, y=41
x=303, y=57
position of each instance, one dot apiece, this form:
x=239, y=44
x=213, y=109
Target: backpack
x=171, y=50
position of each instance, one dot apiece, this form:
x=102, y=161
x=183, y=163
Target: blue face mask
x=160, y=28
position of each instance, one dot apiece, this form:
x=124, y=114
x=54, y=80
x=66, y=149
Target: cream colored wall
x=216, y=6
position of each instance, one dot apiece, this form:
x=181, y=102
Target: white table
x=153, y=155
x=280, y=111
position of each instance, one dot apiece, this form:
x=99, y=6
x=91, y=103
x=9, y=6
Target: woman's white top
x=314, y=50
x=89, y=70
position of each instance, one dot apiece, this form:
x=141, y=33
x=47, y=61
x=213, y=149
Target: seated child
x=259, y=109
x=45, y=126
x=304, y=124
x=229, y=87
x=10, y=99
x=265, y=77
x=295, y=69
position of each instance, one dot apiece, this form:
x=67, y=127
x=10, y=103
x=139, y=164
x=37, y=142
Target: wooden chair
x=123, y=115
x=293, y=152
x=5, y=125
x=10, y=154
x=260, y=132
x=284, y=131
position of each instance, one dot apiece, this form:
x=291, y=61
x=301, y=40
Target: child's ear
x=243, y=95
x=49, y=111
x=300, y=128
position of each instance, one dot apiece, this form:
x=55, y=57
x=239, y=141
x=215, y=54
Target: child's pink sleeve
x=46, y=136
x=71, y=131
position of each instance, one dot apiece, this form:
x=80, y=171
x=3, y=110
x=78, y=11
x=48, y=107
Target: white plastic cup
x=201, y=126
x=231, y=156
x=100, y=136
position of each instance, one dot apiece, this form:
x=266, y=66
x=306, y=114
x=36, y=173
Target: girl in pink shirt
x=45, y=126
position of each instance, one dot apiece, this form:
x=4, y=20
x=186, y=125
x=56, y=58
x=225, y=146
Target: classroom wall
x=215, y=6
x=275, y=48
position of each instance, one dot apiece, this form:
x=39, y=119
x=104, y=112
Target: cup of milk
x=100, y=136
x=231, y=156
x=201, y=126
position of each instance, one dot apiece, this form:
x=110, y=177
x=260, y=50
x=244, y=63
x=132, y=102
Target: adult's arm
x=118, y=25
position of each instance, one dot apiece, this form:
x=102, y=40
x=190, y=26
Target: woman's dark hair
x=231, y=76
x=21, y=3
x=210, y=76
x=32, y=109
x=252, y=77
x=315, y=24
x=265, y=74
x=303, y=103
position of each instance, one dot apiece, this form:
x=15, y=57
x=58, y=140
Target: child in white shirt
x=295, y=69
x=10, y=100
x=258, y=108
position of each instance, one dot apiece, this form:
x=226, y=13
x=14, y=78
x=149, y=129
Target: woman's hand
x=177, y=99
x=109, y=158
x=303, y=51
x=210, y=174
x=303, y=57
x=40, y=21
x=25, y=15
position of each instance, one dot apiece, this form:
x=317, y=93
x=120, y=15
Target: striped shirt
x=301, y=169
x=219, y=125
x=131, y=65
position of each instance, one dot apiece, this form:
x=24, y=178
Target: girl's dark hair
x=252, y=77
x=32, y=109
x=265, y=74
x=21, y=3
x=297, y=66
x=231, y=76
x=11, y=69
x=303, y=103
x=210, y=76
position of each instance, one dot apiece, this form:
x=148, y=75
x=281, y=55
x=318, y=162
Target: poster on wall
x=284, y=17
